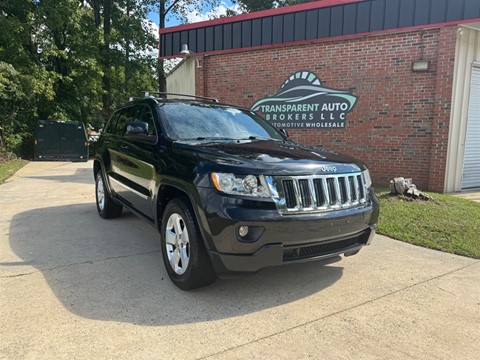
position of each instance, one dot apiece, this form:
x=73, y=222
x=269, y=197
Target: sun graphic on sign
x=306, y=75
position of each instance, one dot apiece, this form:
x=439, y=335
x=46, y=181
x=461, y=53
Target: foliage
x=178, y=9
x=57, y=61
x=447, y=223
x=77, y=59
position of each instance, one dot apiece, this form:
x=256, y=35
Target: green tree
x=67, y=46
x=76, y=59
x=23, y=83
x=179, y=10
x=71, y=60
x=12, y=96
x=137, y=45
x=126, y=49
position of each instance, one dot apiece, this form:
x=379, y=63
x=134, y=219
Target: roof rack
x=147, y=93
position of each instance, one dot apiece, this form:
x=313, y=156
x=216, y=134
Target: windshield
x=197, y=121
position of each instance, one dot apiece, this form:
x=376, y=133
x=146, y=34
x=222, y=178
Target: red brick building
x=414, y=66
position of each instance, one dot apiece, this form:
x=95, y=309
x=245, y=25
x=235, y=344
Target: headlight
x=367, y=178
x=248, y=185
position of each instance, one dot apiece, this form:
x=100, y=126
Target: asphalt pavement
x=75, y=286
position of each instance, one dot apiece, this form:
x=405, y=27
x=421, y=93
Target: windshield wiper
x=214, y=138
x=206, y=138
x=259, y=138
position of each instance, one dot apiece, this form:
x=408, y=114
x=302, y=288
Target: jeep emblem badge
x=328, y=168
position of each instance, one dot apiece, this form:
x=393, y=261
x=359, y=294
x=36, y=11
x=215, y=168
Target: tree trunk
x=96, y=11
x=127, y=54
x=162, y=80
x=107, y=87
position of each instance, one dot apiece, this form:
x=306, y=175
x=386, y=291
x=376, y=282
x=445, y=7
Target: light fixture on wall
x=185, y=52
x=420, y=65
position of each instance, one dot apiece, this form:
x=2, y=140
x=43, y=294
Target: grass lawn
x=447, y=223
x=9, y=168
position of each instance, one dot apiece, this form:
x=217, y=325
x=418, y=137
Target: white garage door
x=471, y=164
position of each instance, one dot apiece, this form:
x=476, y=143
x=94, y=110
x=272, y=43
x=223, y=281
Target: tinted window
x=126, y=116
x=110, y=127
x=194, y=120
x=144, y=114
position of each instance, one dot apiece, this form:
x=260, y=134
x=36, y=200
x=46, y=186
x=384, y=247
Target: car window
x=110, y=127
x=126, y=116
x=143, y=113
x=197, y=120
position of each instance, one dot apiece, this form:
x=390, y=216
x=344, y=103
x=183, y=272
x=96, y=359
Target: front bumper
x=275, y=239
x=277, y=254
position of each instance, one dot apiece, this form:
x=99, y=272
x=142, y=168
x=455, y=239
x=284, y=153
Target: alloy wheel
x=177, y=244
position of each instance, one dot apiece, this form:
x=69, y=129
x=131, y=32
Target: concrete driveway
x=73, y=285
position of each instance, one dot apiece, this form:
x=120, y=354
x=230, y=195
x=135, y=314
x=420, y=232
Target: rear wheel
x=106, y=206
x=183, y=250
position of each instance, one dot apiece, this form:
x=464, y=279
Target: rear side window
x=120, y=119
x=144, y=114
x=126, y=116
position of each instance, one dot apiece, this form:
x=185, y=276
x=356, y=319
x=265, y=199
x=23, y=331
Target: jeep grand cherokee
x=227, y=191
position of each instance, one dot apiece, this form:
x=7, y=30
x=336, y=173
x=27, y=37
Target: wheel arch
x=98, y=166
x=169, y=191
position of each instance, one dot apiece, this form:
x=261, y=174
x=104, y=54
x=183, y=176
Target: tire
x=183, y=249
x=106, y=206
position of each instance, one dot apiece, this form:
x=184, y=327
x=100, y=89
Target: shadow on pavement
x=81, y=176
x=113, y=270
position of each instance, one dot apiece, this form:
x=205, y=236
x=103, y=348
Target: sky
x=194, y=17
x=208, y=14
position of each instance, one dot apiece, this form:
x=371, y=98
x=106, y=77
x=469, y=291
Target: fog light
x=243, y=231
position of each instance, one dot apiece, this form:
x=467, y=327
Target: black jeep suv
x=228, y=192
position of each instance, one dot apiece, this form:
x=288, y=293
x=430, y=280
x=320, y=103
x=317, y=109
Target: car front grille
x=319, y=193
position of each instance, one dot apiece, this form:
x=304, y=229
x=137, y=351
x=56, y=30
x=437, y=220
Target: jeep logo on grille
x=328, y=168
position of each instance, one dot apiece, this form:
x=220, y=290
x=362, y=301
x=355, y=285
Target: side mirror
x=137, y=128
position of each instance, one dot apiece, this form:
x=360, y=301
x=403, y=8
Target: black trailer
x=60, y=141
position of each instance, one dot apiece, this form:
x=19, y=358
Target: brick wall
x=399, y=125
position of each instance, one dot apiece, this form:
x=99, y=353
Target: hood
x=272, y=157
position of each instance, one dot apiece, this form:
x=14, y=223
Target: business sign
x=302, y=102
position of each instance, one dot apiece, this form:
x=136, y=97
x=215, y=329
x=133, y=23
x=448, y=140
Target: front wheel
x=183, y=250
x=106, y=206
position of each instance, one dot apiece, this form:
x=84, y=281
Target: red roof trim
x=333, y=38
x=258, y=14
